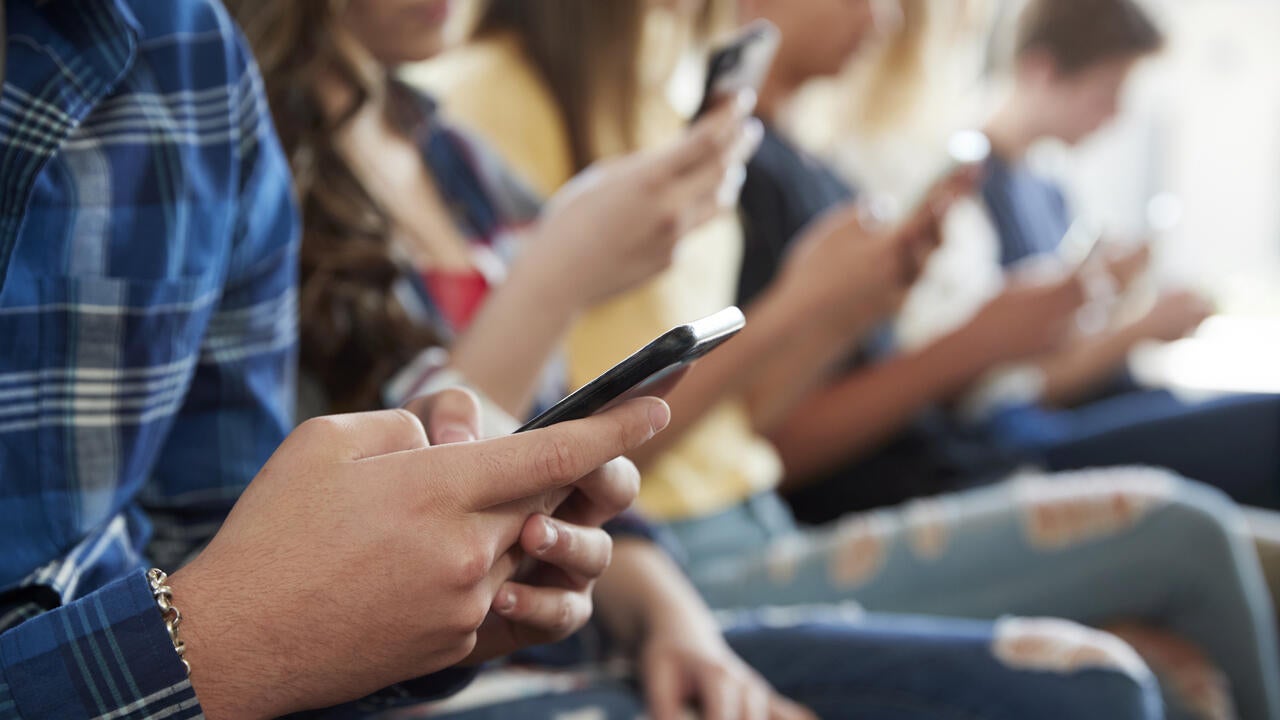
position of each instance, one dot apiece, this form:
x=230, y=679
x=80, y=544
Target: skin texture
x=311, y=561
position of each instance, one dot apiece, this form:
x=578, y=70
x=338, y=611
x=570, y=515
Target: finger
x=602, y=494
x=709, y=139
x=358, y=436
x=664, y=691
x=582, y=553
x=783, y=708
x=555, y=612
x=451, y=415
x=504, y=569
x=492, y=472
x=755, y=700
x=719, y=696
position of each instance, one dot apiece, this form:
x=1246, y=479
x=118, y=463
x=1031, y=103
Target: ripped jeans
x=869, y=668
x=1094, y=547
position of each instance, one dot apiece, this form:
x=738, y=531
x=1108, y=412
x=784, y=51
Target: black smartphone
x=650, y=371
x=743, y=63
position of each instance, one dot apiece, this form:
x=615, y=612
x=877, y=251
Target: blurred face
x=820, y=36
x=1077, y=105
x=398, y=31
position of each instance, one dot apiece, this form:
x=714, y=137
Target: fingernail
x=752, y=136
x=505, y=602
x=744, y=103
x=455, y=433
x=552, y=534
x=731, y=186
x=659, y=416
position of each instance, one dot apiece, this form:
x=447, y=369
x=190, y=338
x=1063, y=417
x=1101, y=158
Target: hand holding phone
x=652, y=370
x=741, y=64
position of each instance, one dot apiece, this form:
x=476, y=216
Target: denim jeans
x=872, y=668
x=1097, y=547
x=1232, y=443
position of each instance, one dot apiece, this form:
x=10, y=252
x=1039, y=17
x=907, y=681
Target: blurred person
x=645, y=604
x=147, y=284
x=713, y=484
x=1081, y=409
x=411, y=213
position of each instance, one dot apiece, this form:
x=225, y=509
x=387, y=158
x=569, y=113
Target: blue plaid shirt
x=147, y=334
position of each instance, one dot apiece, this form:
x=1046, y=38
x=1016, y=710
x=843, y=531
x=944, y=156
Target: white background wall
x=1202, y=123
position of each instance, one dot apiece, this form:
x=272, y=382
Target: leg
x=1096, y=548
x=1229, y=443
x=907, y=668
x=564, y=695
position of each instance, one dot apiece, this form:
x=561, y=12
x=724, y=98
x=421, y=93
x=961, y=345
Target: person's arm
x=642, y=204
x=858, y=412
x=650, y=607
x=1089, y=362
x=105, y=654
x=839, y=280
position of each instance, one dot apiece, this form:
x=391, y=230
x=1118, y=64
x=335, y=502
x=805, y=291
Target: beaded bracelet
x=172, y=618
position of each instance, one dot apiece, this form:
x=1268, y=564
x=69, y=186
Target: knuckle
x=471, y=614
x=570, y=614
x=471, y=567
x=319, y=430
x=556, y=459
x=407, y=422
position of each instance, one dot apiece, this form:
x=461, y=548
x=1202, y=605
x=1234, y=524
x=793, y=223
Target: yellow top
x=487, y=87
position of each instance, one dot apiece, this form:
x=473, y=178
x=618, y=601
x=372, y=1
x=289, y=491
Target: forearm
x=788, y=373
x=773, y=322
x=506, y=349
x=642, y=588
x=1073, y=373
x=855, y=414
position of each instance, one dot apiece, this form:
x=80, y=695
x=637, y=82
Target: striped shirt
x=147, y=334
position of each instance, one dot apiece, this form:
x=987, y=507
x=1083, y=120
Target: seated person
x=418, y=242
x=712, y=481
x=1080, y=409
x=147, y=286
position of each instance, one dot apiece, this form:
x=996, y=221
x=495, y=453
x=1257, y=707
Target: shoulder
x=200, y=31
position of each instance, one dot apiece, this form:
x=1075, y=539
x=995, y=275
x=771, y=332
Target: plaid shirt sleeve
x=241, y=398
x=106, y=655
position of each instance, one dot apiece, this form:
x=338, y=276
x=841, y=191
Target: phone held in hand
x=650, y=371
x=741, y=64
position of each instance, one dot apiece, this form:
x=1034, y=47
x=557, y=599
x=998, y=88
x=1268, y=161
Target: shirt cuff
x=107, y=653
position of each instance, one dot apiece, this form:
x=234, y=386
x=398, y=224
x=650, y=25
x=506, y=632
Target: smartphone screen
x=741, y=64
x=652, y=370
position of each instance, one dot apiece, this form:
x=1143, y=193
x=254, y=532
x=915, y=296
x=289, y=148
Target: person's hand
x=360, y=556
x=681, y=666
x=617, y=224
x=1030, y=317
x=561, y=556
x=1126, y=264
x=1175, y=315
x=848, y=266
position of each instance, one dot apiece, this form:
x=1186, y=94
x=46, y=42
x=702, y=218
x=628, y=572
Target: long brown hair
x=354, y=334
x=587, y=51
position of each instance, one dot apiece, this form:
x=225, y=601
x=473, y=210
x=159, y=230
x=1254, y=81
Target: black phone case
x=672, y=351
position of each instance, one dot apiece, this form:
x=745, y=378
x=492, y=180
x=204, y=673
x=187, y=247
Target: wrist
x=966, y=354
x=228, y=676
x=536, y=283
